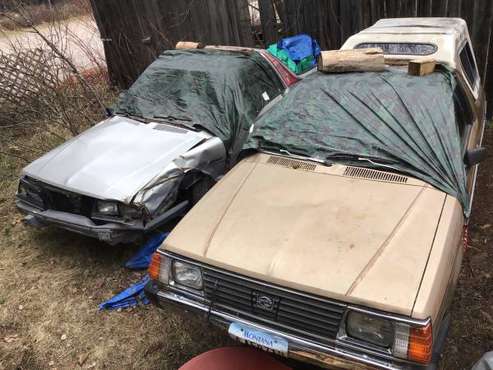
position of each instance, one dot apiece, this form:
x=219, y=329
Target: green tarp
x=388, y=121
x=220, y=91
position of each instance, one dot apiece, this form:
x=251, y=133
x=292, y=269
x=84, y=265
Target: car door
x=470, y=97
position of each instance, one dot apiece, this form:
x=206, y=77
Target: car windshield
x=216, y=90
x=387, y=121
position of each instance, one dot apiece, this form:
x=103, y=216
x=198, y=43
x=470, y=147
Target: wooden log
x=357, y=60
x=189, y=45
x=240, y=49
x=421, y=67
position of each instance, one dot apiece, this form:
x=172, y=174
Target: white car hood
x=114, y=159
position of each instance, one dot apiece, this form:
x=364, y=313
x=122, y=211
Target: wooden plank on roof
x=421, y=67
x=357, y=60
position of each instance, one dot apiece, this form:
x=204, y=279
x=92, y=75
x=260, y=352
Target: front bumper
x=111, y=232
x=299, y=348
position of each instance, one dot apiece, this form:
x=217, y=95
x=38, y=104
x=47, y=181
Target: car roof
x=448, y=35
x=456, y=27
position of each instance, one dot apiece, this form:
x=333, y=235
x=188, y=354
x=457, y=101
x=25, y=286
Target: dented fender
x=207, y=158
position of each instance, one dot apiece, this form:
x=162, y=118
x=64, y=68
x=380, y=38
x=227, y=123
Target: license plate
x=257, y=338
x=104, y=236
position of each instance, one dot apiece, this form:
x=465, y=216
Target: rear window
x=401, y=48
x=467, y=60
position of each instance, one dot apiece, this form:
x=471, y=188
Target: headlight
x=22, y=190
x=187, y=275
x=413, y=342
x=371, y=329
x=30, y=193
x=129, y=212
x=107, y=208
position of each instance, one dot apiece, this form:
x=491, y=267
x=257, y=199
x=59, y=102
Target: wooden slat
x=421, y=67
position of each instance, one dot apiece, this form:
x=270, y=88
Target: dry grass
x=52, y=282
x=50, y=118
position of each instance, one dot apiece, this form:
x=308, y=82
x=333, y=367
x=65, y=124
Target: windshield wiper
x=176, y=121
x=377, y=162
x=173, y=118
x=300, y=156
x=131, y=116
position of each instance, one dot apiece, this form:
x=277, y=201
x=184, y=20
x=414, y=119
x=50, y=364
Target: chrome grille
x=62, y=200
x=291, y=312
x=365, y=173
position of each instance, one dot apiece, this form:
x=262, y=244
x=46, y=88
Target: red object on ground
x=234, y=358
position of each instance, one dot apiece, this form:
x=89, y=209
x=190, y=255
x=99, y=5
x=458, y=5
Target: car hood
x=357, y=235
x=114, y=159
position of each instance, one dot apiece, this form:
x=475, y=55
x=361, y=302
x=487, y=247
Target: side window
x=464, y=115
x=467, y=60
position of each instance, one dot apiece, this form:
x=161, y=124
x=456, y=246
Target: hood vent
x=365, y=173
x=291, y=163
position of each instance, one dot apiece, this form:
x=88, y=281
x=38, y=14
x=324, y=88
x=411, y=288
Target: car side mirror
x=475, y=156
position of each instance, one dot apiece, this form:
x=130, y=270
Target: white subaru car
x=171, y=136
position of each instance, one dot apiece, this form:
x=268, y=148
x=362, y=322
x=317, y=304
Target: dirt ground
x=52, y=281
x=471, y=332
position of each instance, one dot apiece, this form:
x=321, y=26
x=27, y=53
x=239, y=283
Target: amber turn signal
x=155, y=266
x=420, y=344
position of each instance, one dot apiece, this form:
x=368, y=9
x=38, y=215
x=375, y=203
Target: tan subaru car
x=338, y=239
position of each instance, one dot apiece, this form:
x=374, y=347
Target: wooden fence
x=136, y=31
x=18, y=82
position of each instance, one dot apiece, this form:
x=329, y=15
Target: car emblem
x=264, y=302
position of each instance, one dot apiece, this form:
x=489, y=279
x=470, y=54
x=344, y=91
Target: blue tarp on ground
x=134, y=295
x=142, y=258
x=130, y=297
